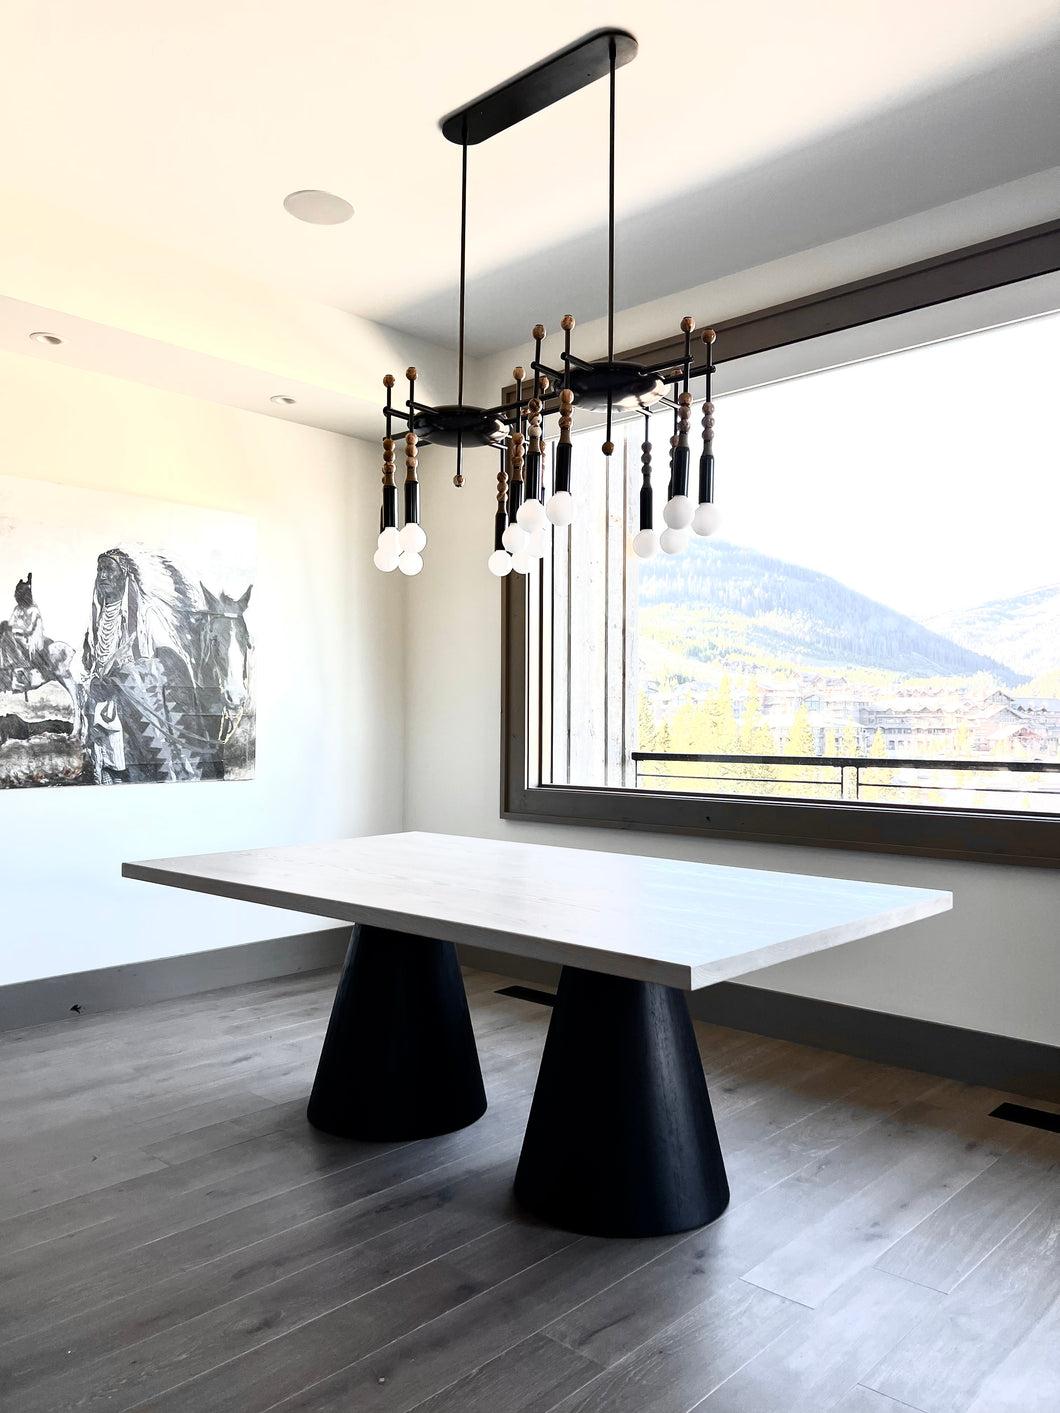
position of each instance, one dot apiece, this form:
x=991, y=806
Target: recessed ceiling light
x=282, y=400
x=41, y=337
x=319, y=208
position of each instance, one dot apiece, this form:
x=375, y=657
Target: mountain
x=1022, y=631
x=724, y=600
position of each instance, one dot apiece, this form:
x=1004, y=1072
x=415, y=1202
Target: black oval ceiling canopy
x=556, y=77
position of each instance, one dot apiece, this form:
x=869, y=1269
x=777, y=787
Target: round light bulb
x=531, y=516
x=522, y=561
x=560, y=508
x=539, y=543
x=514, y=539
x=389, y=540
x=410, y=563
x=499, y=563
x=678, y=512
x=673, y=541
x=412, y=537
x=706, y=519
x=645, y=544
x=384, y=560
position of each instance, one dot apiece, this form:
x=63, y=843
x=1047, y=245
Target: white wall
x=328, y=672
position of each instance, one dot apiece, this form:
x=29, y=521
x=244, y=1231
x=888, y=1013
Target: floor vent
x=528, y=993
x=1021, y=1114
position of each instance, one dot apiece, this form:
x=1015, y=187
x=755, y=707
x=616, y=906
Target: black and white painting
x=126, y=651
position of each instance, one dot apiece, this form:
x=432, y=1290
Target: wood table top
x=683, y=924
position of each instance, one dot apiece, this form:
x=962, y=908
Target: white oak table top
x=682, y=924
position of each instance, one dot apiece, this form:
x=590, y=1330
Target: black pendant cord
x=612, y=55
x=706, y=460
x=463, y=272
x=459, y=478
x=611, y=214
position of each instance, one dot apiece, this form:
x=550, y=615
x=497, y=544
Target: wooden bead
x=685, y=399
x=410, y=438
x=410, y=373
x=567, y=322
x=608, y=448
x=545, y=384
x=388, y=445
x=687, y=324
x=567, y=395
x=708, y=336
x=518, y=374
x=458, y=480
x=534, y=406
x=539, y=331
x=389, y=381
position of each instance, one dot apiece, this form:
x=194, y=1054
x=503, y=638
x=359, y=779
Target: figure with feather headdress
x=144, y=718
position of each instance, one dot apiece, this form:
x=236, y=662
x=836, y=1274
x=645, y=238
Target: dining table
x=620, y=1140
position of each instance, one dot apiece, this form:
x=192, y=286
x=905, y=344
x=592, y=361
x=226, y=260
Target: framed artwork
x=126, y=654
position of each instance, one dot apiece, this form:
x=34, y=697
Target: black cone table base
x=621, y=1138
x=399, y=1058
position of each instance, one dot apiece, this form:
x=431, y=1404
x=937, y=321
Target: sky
x=928, y=479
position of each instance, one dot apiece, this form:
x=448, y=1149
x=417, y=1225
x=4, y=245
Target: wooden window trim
x=992, y=836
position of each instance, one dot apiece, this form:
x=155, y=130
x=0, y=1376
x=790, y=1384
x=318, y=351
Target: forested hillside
x=723, y=600
x=1023, y=631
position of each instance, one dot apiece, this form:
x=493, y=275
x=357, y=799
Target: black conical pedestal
x=399, y=1058
x=621, y=1138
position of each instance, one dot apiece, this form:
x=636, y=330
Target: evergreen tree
x=762, y=744
x=878, y=751
x=685, y=728
x=800, y=734
x=753, y=738
x=663, y=744
x=850, y=738
x=645, y=724
x=962, y=746
x=962, y=741
x=725, y=734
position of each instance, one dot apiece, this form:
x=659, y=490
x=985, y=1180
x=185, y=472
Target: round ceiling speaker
x=319, y=208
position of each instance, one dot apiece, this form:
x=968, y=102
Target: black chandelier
x=516, y=428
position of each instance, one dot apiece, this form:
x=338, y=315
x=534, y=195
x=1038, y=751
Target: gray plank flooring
x=175, y=1238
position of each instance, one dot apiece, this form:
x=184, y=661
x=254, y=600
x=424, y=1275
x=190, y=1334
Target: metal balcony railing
x=879, y=780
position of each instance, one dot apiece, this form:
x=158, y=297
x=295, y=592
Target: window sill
x=1026, y=840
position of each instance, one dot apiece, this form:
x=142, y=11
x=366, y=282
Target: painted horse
x=223, y=667
x=28, y=659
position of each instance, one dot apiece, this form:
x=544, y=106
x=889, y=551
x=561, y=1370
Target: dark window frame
x=937, y=832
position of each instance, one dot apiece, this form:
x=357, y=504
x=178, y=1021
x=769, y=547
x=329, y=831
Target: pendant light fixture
x=516, y=429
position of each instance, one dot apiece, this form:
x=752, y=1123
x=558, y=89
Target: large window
x=868, y=651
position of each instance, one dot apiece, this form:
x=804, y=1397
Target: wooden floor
x=174, y=1237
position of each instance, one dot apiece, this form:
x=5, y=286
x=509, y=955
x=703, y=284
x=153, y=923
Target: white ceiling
x=745, y=132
